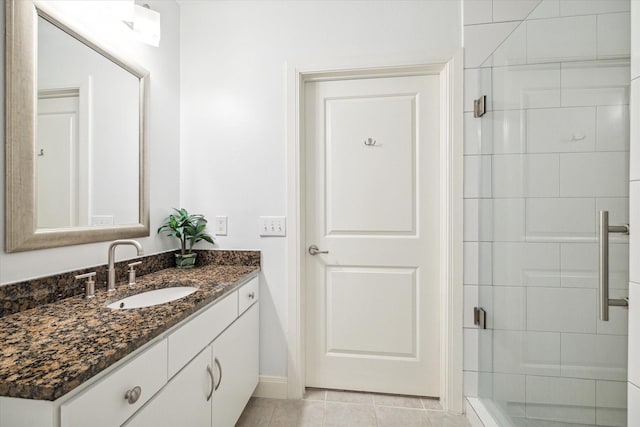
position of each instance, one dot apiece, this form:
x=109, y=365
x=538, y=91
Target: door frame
x=450, y=71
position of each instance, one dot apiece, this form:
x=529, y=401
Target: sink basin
x=155, y=297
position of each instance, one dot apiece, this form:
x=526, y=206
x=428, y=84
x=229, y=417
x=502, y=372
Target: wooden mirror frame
x=21, y=232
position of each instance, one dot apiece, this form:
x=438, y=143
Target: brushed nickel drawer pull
x=212, y=382
x=133, y=395
x=217, y=362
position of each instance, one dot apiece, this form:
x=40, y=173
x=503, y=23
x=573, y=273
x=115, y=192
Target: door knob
x=313, y=250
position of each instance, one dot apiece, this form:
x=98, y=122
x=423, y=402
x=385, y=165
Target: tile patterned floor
x=329, y=408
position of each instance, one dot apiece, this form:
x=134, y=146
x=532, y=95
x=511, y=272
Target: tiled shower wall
x=552, y=151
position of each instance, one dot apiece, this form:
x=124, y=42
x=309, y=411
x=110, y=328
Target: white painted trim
x=271, y=387
x=295, y=237
x=85, y=151
x=451, y=75
x=451, y=227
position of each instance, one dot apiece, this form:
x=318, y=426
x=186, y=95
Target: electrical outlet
x=221, y=226
x=273, y=226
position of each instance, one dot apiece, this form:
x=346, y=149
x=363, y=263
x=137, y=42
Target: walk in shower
x=551, y=152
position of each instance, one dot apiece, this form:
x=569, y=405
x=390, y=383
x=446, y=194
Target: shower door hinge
x=480, y=317
x=480, y=106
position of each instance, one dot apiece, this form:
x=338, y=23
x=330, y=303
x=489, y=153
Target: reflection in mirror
x=75, y=135
x=86, y=137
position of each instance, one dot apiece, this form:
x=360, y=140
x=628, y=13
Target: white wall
x=233, y=147
x=633, y=395
x=164, y=139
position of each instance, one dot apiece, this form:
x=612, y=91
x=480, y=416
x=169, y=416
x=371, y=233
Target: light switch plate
x=221, y=226
x=273, y=226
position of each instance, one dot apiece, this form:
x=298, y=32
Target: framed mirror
x=75, y=136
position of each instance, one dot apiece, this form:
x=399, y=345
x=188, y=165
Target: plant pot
x=186, y=260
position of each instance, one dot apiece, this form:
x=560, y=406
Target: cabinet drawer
x=248, y=294
x=104, y=404
x=191, y=338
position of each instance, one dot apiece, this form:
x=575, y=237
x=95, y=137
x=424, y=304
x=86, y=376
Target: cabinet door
x=183, y=402
x=235, y=360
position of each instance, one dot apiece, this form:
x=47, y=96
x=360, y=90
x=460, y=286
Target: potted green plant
x=189, y=229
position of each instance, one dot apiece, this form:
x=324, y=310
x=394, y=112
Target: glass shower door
x=557, y=152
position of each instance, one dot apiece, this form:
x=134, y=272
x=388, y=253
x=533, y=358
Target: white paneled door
x=372, y=204
x=57, y=162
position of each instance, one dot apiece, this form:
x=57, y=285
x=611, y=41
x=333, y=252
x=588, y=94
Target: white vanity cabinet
x=200, y=373
x=214, y=387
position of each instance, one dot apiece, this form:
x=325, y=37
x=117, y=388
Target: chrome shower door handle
x=603, y=271
x=313, y=250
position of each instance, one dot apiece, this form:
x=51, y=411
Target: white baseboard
x=271, y=387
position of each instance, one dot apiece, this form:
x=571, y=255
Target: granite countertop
x=51, y=349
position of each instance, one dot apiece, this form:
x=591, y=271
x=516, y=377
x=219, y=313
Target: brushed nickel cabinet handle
x=133, y=395
x=217, y=362
x=212, y=382
x=251, y=295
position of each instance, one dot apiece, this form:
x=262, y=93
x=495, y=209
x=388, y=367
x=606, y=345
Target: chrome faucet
x=111, y=278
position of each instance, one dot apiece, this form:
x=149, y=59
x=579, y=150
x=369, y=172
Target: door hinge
x=480, y=106
x=480, y=317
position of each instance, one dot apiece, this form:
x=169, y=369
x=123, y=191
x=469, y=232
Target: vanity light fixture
x=145, y=24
